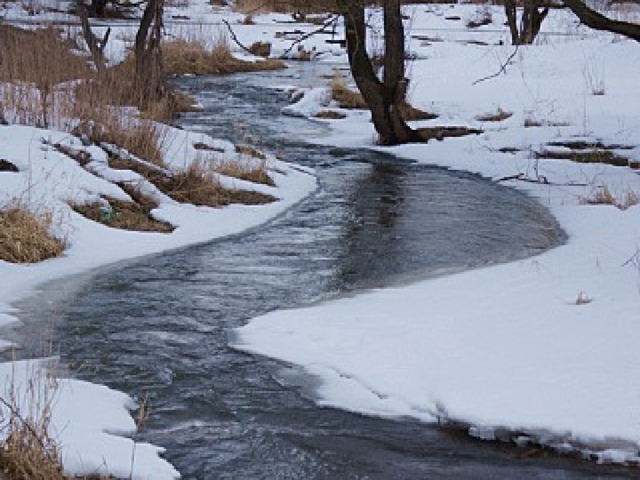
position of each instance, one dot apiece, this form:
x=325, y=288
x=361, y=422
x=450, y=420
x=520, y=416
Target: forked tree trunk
x=385, y=97
x=533, y=14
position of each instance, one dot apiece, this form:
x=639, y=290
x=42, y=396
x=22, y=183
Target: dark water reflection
x=159, y=325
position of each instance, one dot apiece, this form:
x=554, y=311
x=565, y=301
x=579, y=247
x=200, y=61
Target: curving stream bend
x=158, y=325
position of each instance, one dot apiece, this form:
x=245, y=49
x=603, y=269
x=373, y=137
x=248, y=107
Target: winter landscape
x=109, y=163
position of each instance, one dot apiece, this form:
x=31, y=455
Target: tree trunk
x=149, y=83
x=597, y=21
x=512, y=20
x=530, y=23
x=383, y=98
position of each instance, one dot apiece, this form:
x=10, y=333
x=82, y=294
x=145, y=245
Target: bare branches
x=328, y=23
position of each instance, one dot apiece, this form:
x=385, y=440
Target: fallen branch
x=503, y=68
x=542, y=180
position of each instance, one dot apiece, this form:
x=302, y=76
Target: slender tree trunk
x=512, y=20
x=149, y=83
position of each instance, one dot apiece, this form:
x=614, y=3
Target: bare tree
x=593, y=19
x=533, y=14
x=385, y=96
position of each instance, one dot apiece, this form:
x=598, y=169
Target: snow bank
x=545, y=348
x=89, y=421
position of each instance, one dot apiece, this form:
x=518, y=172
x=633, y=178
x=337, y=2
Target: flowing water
x=159, y=325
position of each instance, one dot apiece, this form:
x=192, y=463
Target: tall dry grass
x=25, y=237
x=194, y=57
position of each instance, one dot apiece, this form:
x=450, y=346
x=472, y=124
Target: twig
x=503, y=68
x=235, y=39
x=331, y=21
x=541, y=180
x=14, y=411
x=633, y=260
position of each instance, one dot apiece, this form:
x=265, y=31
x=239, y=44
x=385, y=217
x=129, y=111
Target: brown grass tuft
x=182, y=57
x=251, y=173
x=139, y=137
x=497, y=116
x=135, y=216
x=197, y=185
x=330, y=115
x=28, y=452
x=343, y=95
x=604, y=196
x=25, y=237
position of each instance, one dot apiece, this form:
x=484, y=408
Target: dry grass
x=498, y=116
x=604, y=196
x=245, y=171
x=25, y=237
x=330, y=115
x=40, y=57
x=28, y=452
x=197, y=185
x=139, y=137
x=343, y=95
x=586, y=156
x=182, y=57
x=134, y=216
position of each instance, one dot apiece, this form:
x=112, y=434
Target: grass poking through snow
x=25, y=237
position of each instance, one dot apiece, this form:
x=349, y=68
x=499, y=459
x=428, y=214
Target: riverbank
x=540, y=351
x=543, y=347
x=49, y=180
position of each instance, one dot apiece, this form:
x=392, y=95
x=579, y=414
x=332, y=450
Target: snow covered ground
x=543, y=347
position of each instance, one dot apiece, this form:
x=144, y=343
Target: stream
x=159, y=325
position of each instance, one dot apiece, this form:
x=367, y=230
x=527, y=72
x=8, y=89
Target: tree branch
x=597, y=21
x=302, y=38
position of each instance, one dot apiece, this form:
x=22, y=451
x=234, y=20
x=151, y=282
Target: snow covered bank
x=545, y=348
x=88, y=420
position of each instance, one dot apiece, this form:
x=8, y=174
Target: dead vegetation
x=330, y=115
x=604, y=196
x=25, y=237
x=28, y=452
x=182, y=57
x=135, y=216
x=344, y=96
x=245, y=171
x=140, y=138
x=40, y=57
x=7, y=166
x=198, y=185
x=498, y=116
x=586, y=156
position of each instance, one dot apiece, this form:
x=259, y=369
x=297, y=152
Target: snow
x=544, y=348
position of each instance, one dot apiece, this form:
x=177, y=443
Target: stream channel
x=159, y=325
